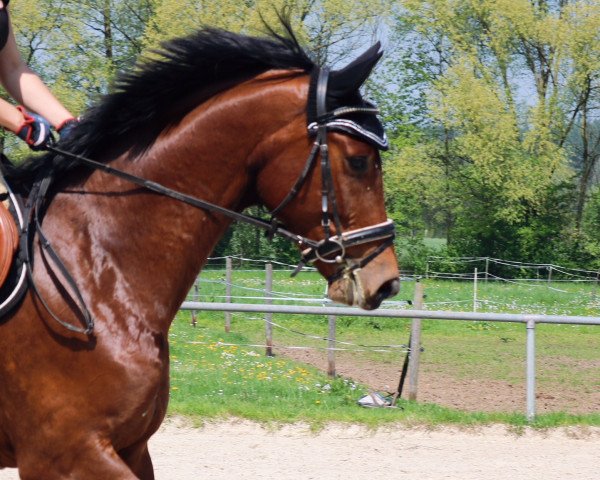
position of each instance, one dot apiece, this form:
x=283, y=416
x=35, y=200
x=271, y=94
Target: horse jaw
x=367, y=287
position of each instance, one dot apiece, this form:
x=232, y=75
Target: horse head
x=336, y=199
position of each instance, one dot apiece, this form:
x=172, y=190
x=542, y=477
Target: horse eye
x=359, y=163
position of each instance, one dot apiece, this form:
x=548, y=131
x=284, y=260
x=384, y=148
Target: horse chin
x=344, y=290
x=351, y=290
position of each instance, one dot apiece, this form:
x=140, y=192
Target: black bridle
x=331, y=249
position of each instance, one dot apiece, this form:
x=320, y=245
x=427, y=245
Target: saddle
x=13, y=274
x=9, y=239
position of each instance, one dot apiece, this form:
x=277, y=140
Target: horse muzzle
x=366, y=281
x=369, y=286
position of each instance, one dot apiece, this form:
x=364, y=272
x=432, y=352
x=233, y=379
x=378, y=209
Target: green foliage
x=78, y=47
x=489, y=104
x=333, y=28
x=494, y=156
x=588, y=240
x=413, y=253
x=538, y=236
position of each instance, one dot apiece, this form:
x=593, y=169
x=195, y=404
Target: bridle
x=331, y=249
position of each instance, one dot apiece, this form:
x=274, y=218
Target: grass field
x=215, y=374
x=556, y=298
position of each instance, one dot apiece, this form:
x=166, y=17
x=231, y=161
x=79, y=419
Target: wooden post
x=530, y=398
x=197, y=299
x=330, y=347
x=487, y=268
x=415, y=344
x=228, y=269
x=550, y=274
x=475, y=290
x=269, y=316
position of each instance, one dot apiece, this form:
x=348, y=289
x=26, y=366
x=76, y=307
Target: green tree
x=509, y=84
x=77, y=47
x=333, y=28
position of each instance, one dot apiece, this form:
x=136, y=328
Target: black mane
x=153, y=95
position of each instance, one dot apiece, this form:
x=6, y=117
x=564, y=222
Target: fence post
x=331, y=347
x=269, y=316
x=487, y=268
x=197, y=299
x=228, y=269
x=530, y=369
x=475, y=290
x=550, y=274
x=415, y=344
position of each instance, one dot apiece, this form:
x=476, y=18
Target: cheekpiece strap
x=322, y=82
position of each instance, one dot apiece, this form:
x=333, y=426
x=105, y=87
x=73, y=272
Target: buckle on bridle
x=338, y=246
x=384, y=232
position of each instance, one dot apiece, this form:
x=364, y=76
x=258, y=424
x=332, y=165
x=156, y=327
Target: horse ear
x=350, y=78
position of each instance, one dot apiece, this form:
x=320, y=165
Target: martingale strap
x=184, y=198
x=35, y=211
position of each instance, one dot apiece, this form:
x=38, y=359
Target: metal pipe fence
x=529, y=320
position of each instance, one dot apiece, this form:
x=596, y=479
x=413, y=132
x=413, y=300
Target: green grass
x=557, y=298
x=211, y=380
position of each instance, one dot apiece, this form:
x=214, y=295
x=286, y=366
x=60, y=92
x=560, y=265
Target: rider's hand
x=66, y=128
x=35, y=130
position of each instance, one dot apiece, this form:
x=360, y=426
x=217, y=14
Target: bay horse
x=218, y=122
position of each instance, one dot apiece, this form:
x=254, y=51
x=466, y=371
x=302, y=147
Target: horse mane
x=152, y=96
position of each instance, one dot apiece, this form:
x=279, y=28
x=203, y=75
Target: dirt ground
x=442, y=389
x=243, y=450
x=240, y=449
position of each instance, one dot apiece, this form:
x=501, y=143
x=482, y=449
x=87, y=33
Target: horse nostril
x=389, y=289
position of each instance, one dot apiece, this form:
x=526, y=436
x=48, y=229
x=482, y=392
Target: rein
x=331, y=249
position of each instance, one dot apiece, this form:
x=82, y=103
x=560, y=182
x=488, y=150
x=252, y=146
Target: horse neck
x=147, y=248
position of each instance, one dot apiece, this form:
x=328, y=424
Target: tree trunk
x=108, y=36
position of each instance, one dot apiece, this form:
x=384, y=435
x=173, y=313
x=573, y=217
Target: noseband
x=331, y=249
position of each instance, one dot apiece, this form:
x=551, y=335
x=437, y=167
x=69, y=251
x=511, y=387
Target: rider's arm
x=26, y=88
x=10, y=117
